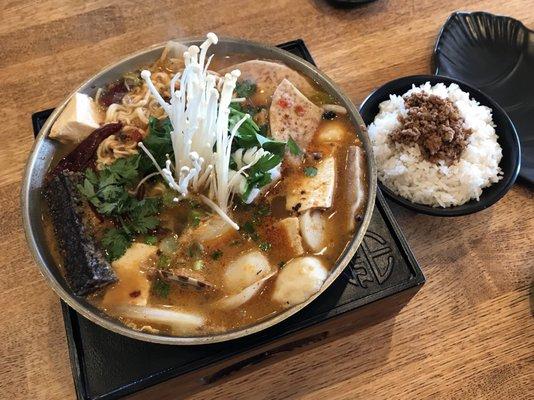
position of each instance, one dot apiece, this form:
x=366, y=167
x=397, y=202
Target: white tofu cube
x=78, y=119
x=133, y=286
x=288, y=234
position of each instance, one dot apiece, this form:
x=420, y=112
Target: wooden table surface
x=467, y=334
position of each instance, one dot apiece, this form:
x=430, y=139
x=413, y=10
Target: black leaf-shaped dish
x=496, y=55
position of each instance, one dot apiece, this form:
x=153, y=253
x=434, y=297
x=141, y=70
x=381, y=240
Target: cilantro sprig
x=310, y=172
x=248, y=135
x=108, y=191
x=158, y=142
x=259, y=173
x=115, y=242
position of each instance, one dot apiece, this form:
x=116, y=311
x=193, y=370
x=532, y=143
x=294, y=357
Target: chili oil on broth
x=261, y=306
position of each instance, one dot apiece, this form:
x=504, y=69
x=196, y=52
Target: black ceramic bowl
x=508, y=139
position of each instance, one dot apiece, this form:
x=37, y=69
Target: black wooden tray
x=109, y=366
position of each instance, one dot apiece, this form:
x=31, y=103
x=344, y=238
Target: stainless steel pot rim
x=112, y=324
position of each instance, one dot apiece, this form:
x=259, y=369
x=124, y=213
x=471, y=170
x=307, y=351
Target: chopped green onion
x=248, y=227
x=164, y=262
x=310, y=171
x=265, y=246
x=195, y=217
x=151, y=240
x=263, y=210
x=198, y=265
x=161, y=288
x=195, y=250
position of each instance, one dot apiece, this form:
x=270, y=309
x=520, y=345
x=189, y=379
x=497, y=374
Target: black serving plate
x=511, y=159
x=383, y=276
x=496, y=55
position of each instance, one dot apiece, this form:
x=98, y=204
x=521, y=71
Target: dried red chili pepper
x=80, y=158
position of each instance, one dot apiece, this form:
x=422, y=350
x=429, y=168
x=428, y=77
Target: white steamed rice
x=403, y=169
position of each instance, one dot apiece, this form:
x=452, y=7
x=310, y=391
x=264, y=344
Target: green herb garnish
x=195, y=250
x=161, y=288
x=115, y=243
x=143, y=216
x=293, y=147
x=263, y=210
x=259, y=174
x=108, y=191
x=265, y=246
x=245, y=88
x=248, y=227
x=151, y=240
x=217, y=254
x=164, y=262
x=270, y=145
x=168, y=198
x=158, y=142
x=198, y=265
x=249, y=134
x=249, y=230
x=310, y=171
x=195, y=216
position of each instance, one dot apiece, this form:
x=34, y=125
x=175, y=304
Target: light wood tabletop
x=467, y=334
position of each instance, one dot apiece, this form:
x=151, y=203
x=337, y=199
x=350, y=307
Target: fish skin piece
x=86, y=267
